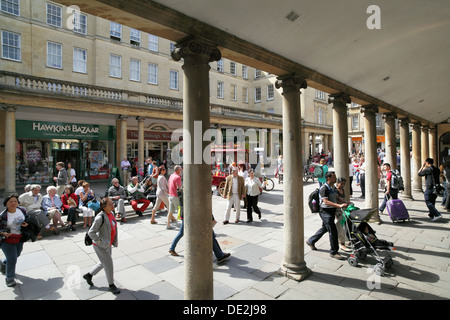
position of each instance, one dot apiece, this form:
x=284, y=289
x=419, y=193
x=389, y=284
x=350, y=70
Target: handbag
x=13, y=239
x=94, y=205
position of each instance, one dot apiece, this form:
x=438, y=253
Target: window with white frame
x=135, y=70
x=10, y=6
x=115, y=31
x=79, y=60
x=233, y=92
x=173, y=80
x=153, y=43
x=378, y=120
x=320, y=95
x=115, y=66
x=220, y=65
x=54, y=15
x=79, y=22
x=320, y=116
x=152, y=73
x=54, y=55
x=219, y=89
x=257, y=73
x=135, y=37
x=245, y=72
x=270, y=92
x=11, y=46
x=245, y=94
x=355, y=122
x=172, y=47
x=258, y=94
x=233, y=68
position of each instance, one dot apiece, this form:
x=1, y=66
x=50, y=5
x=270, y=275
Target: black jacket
x=31, y=231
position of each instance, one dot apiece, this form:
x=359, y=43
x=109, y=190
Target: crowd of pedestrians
x=32, y=214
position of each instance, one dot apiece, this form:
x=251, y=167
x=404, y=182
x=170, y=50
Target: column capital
x=291, y=83
x=404, y=121
x=194, y=46
x=389, y=116
x=122, y=117
x=140, y=118
x=369, y=109
x=9, y=107
x=339, y=98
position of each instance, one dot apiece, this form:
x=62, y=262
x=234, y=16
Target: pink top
x=174, y=183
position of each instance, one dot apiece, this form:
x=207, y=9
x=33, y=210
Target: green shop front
x=40, y=145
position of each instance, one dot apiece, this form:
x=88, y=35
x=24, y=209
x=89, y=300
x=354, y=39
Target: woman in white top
x=253, y=186
x=72, y=174
x=11, y=221
x=244, y=174
x=86, y=195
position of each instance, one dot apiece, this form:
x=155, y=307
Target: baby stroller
x=364, y=241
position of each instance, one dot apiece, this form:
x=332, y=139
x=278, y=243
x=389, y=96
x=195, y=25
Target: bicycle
x=267, y=184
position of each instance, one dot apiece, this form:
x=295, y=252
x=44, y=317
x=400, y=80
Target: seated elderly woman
x=52, y=207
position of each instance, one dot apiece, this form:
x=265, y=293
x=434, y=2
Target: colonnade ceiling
x=393, y=54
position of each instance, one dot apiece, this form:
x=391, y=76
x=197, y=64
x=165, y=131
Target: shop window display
x=33, y=162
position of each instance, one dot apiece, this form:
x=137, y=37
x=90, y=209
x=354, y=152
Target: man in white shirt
x=126, y=170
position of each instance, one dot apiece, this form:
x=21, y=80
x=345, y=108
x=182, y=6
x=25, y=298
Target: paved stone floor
x=51, y=268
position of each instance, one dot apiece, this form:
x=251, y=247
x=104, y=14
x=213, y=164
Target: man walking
x=234, y=191
x=431, y=174
x=174, y=185
x=328, y=206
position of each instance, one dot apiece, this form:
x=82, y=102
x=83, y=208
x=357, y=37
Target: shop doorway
x=66, y=156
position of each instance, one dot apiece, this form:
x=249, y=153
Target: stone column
x=141, y=150
x=293, y=265
x=196, y=172
x=425, y=144
x=370, y=154
x=390, y=137
x=10, y=149
x=313, y=144
x=340, y=137
x=433, y=147
x=123, y=146
x=416, y=158
x=405, y=159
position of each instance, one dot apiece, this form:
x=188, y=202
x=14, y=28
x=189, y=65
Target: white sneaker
x=436, y=218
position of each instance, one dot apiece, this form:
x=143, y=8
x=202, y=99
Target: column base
x=407, y=197
x=418, y=190
x=297, y=272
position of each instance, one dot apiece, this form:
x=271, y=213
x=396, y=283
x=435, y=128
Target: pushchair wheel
x=388, y=263
x=353, y=261
x=361, y=255
x=378, y=269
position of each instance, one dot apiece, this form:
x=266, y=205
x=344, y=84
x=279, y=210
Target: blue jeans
x=430, y=201
x=216, y=247
x=178, y=236
x=12, y=252
x=329, y=226
x=393, y=193
x=446, y=185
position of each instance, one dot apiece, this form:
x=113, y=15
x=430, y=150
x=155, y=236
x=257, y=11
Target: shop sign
x=150, y=135
x=57, y=130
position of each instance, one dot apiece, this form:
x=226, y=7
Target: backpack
x=313, y=201
x=318, y=172
x=397, y=181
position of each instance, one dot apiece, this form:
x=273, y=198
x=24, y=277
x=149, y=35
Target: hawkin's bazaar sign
x=57, y=130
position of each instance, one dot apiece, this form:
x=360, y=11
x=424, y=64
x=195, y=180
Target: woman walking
x=104, y=235
x=253, y=187
x=12, y=220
